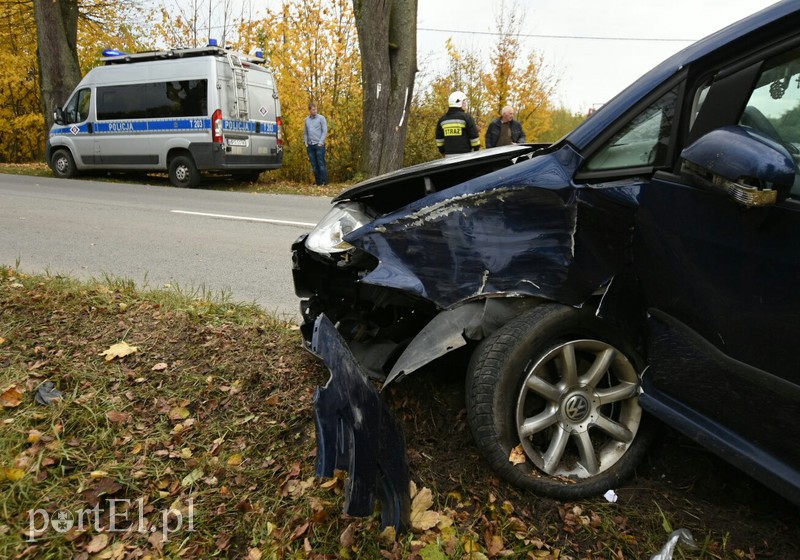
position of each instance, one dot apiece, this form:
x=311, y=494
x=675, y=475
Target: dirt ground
x=680, y=483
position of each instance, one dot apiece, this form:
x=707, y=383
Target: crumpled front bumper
x=357, y=432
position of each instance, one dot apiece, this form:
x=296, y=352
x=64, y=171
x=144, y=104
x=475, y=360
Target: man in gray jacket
x=316, y=130
x=505, y=130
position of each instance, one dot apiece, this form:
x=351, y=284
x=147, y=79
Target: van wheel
x=183, y=172
x=62, y=164
x=554, y=403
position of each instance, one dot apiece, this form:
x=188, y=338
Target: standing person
x=504, y=130
x=316, y=129
x=456, y=132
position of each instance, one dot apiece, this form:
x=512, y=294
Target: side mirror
x=58, y=115
x=747, y=165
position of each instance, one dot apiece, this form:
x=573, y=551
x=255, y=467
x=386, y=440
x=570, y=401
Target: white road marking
x=245, y=218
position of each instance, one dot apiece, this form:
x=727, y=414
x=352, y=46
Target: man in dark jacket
x=456, y=132
x=505, y=130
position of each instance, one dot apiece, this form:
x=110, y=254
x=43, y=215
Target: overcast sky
x=588, y=44
x=590, y=71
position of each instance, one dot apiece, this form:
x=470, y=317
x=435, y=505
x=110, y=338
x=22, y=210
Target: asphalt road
x=199, y=240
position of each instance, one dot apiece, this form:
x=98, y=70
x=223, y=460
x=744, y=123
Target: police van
x=183, y=111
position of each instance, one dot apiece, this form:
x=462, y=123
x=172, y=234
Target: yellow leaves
x=234, y=460
x=11, y=397
x=119, y=350
x=11, y=474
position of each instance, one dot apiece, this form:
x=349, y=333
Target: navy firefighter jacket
x=456, y=132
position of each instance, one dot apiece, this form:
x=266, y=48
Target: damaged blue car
x=643, y=269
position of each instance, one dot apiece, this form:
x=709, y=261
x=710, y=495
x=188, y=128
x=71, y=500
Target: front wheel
x=63, y=164
x=183, y=172
x=554, y=403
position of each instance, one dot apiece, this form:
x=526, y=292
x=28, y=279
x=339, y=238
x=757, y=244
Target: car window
x=774, y=105
x=642, y=142
x=78, y=108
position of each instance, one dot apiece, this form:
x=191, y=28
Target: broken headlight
x=328, y=237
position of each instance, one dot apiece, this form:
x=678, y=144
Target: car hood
x=396, y=189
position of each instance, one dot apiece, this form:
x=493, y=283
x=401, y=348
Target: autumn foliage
x=312, y=47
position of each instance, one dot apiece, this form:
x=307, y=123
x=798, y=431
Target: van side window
x=185, y=98
x=78, y=108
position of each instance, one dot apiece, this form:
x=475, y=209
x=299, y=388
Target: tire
x=63, y=164
x=183, y=172
x=531, y=399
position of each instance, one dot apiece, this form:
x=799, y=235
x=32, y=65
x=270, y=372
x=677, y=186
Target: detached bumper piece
x=357, y=432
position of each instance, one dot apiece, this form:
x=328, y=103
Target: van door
x=78, y=130
x=236, y=126
x=264, y=109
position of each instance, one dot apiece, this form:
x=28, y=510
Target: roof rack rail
x=124, y=58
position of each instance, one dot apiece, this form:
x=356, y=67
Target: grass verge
x=266, y=183
x=202, y=440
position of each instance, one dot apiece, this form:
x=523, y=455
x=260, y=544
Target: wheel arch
x=454, y=328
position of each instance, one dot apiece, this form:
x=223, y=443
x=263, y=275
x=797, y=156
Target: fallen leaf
x=192, y=477
x=98, y=474
x=299, y=531
x=388, y=536
x=273, y=400
x=235, y=460
x=34, y=436
x=161, y=366
x=11, y=397
x=254, y=554
x=421, y=518
x=104, y=487
x=11, y=474
x=98, y=543
x=119, y=350
x=346, y=538
x=179, y=413
x=223, y=540
x=432, y=551
x=2, y=340
x=494, y=545
x=517, y=456
x=117, y=417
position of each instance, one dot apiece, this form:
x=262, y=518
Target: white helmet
x=456, y=98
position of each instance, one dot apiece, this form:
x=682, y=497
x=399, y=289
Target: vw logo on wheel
x=576, y=408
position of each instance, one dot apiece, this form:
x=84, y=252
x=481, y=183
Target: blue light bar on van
x=212, y=42
x=259, y=54
x=113, y=52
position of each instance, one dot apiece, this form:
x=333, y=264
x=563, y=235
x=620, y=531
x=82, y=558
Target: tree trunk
x=387, y=38
x=57, y=40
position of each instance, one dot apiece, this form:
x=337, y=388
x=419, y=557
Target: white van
x=183, y=111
